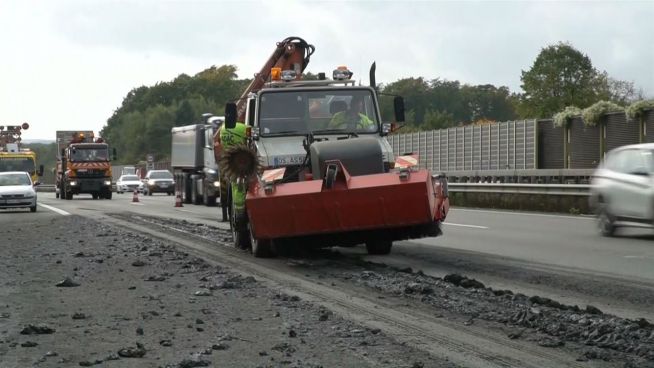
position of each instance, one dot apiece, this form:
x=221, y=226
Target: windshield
x=80, y=154
x=130, y=178
x=14, y=179
x=321, y=111
x=161, y=175
x=17, y=164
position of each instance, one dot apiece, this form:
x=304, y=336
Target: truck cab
x=285, y=114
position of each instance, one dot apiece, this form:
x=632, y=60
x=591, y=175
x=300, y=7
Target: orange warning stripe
x=89, y=165
x=272, y=175
x=406, y=161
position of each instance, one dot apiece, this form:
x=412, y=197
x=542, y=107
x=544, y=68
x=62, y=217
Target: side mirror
x=40, y=173
x=37, y=183
x=398, y=105
x=113, y=151
x=230, y=115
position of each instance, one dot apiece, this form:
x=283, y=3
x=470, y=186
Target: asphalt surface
x=568, y=241
x=559, y=240
x=478, y=243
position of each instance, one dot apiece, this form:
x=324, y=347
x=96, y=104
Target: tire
x=195, y=198
x=187, y=189
x=69, y=196
x=241, y=237
x=95, y=195
x=605, y=221
x=57, y=193
x=240, y=232
x=62, y=192
x=379, y=247
x=261, y=248
x=209, y=201
x=33, y=209
x=107, y=195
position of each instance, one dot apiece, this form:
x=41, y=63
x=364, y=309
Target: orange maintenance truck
x=83, y=165
x=316, y=169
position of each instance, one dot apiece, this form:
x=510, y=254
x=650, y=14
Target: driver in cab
x=352, y=117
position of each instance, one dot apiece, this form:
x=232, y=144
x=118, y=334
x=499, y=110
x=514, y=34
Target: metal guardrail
x=507, y=188
x=515, y=188
x=48, y=188
x=532, y=176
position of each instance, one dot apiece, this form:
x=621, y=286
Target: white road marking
x=185, y=211
x=136, y=203
x=581, y=217
x=54, y=209
x=637, y=257
x=464, y=225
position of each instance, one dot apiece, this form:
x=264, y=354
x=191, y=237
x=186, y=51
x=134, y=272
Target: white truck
x=192, y=160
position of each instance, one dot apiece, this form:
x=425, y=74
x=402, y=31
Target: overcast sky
x=67, y=65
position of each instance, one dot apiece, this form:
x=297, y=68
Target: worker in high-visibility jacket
x=229, y=138
x=353, y=118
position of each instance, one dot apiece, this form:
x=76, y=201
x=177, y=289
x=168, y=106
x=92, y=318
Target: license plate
x=14, y=201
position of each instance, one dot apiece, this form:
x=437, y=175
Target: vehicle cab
x=285, y=115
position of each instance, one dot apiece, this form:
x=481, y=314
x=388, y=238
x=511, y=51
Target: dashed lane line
x=465, y=225
x=55, y=209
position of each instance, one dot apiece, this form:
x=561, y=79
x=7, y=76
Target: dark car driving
x=159, y=181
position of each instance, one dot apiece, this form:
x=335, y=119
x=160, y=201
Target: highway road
x=548, y=250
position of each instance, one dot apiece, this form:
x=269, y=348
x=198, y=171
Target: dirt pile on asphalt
x=127, y=300
x=545, y=321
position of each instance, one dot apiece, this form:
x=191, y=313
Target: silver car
x=17, y=190
x=622, y=192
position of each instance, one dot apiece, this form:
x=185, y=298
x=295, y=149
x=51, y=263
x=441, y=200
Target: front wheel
x=237, y=224
x=261, y=248
x=379, y=247
x=33, y=209
x=605, y=221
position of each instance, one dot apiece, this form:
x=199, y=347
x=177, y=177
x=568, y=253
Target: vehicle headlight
x=211, y=171
x=107, y=182
x=216, y=184
x=151, y=182
x=73, y=183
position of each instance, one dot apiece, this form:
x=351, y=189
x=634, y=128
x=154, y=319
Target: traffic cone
x=178, y=200
x=135, y=197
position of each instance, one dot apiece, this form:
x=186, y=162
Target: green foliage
x=636, y=109
x=440, y=103
x=564, y=117
x=142, y=124
x=561, y=76
x=593, y=113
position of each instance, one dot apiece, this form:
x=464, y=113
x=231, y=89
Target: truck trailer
x=192, y=160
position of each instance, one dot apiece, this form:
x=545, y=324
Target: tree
x=184, y=114
x=623, y=92
x=561, y=76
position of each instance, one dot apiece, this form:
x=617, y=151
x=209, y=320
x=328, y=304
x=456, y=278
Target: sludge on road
x=317, y=309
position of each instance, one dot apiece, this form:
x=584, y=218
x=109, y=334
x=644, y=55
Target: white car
x=129, y=183
x=17, y=190
x=622, y=191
